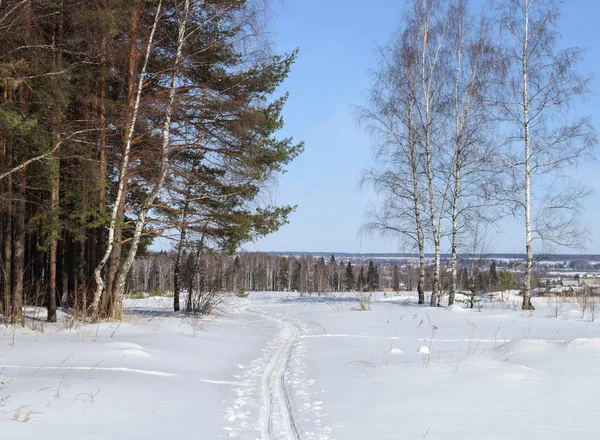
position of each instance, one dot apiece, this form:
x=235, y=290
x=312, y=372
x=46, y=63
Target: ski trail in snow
x=275, y=395
x=277, y=384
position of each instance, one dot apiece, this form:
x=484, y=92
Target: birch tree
x=473, y=61
x=165, y=154
x=398, y=176
x=544, y=139
x=123, y=170
x=431, y=22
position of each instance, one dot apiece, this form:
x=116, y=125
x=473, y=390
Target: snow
x=278, y=366
x=454, y=308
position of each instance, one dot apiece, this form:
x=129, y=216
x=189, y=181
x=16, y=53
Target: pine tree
x=261, y=277
x=283, y=280
x=350, y=282
x=395, y=279
x=372, y=281
x=333, y=277
x=464, y=279
x=360, y=283
x=70, y=73
x=493, y=275
x=297, y=276
x=375, y=283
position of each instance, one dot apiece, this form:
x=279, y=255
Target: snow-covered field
x=276, y=366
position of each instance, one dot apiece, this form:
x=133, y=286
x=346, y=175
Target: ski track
x=276, y=383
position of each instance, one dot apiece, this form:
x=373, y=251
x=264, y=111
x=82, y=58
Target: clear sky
x=337, y=41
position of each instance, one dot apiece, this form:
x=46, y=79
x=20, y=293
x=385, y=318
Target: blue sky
x=337, y=41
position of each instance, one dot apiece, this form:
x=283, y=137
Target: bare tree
x=398, y=175
x=539, y=87
x=473, y=58
x=430, y=22
x=429, y=118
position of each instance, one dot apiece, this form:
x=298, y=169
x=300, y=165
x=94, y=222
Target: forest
x=126, y=120
x=204, y=280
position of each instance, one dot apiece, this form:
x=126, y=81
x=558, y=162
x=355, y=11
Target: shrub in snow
x=364, y=302
x=242, y=293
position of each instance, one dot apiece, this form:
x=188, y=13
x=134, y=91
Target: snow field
x=277, y=366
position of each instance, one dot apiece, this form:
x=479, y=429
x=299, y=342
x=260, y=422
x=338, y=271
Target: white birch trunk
x=428, y=153
x=457, y=163
x=100, y=284
x=149, y=201
x=528, y=236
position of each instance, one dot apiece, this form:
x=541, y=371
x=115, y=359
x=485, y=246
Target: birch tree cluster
x=471, y=115
x=126, y=120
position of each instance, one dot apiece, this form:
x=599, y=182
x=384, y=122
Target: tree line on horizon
x=204, y=281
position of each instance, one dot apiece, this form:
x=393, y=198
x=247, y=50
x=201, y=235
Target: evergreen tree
x=297, y=276
x=372, y=280
x=70, y=73
x=333, y=277
x=261, y=277
x=395, y=279
x=493, y=276
x=375, y=282
x=464, y=279
x=350, y=282
x=283, y=281
x=507, y=280
x=360, y=283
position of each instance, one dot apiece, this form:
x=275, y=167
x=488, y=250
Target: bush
x=161, y=293
x=135, y=295
x=242, y=293
x=364, y=302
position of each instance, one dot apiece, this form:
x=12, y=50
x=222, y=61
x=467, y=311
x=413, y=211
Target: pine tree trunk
x=60, y=265
x=54, y=203
x=19, y=248
x=63, y=274
x=81, y=254
x=100, y=232
x=55, y=179
x=7, y=230
x=180, y=247
x=124, y=168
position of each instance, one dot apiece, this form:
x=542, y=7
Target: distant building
x=557, y=289
x=589, y=280
x=549, y=281
x=572, y=283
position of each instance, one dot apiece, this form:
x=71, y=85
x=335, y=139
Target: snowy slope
x=276, y=366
